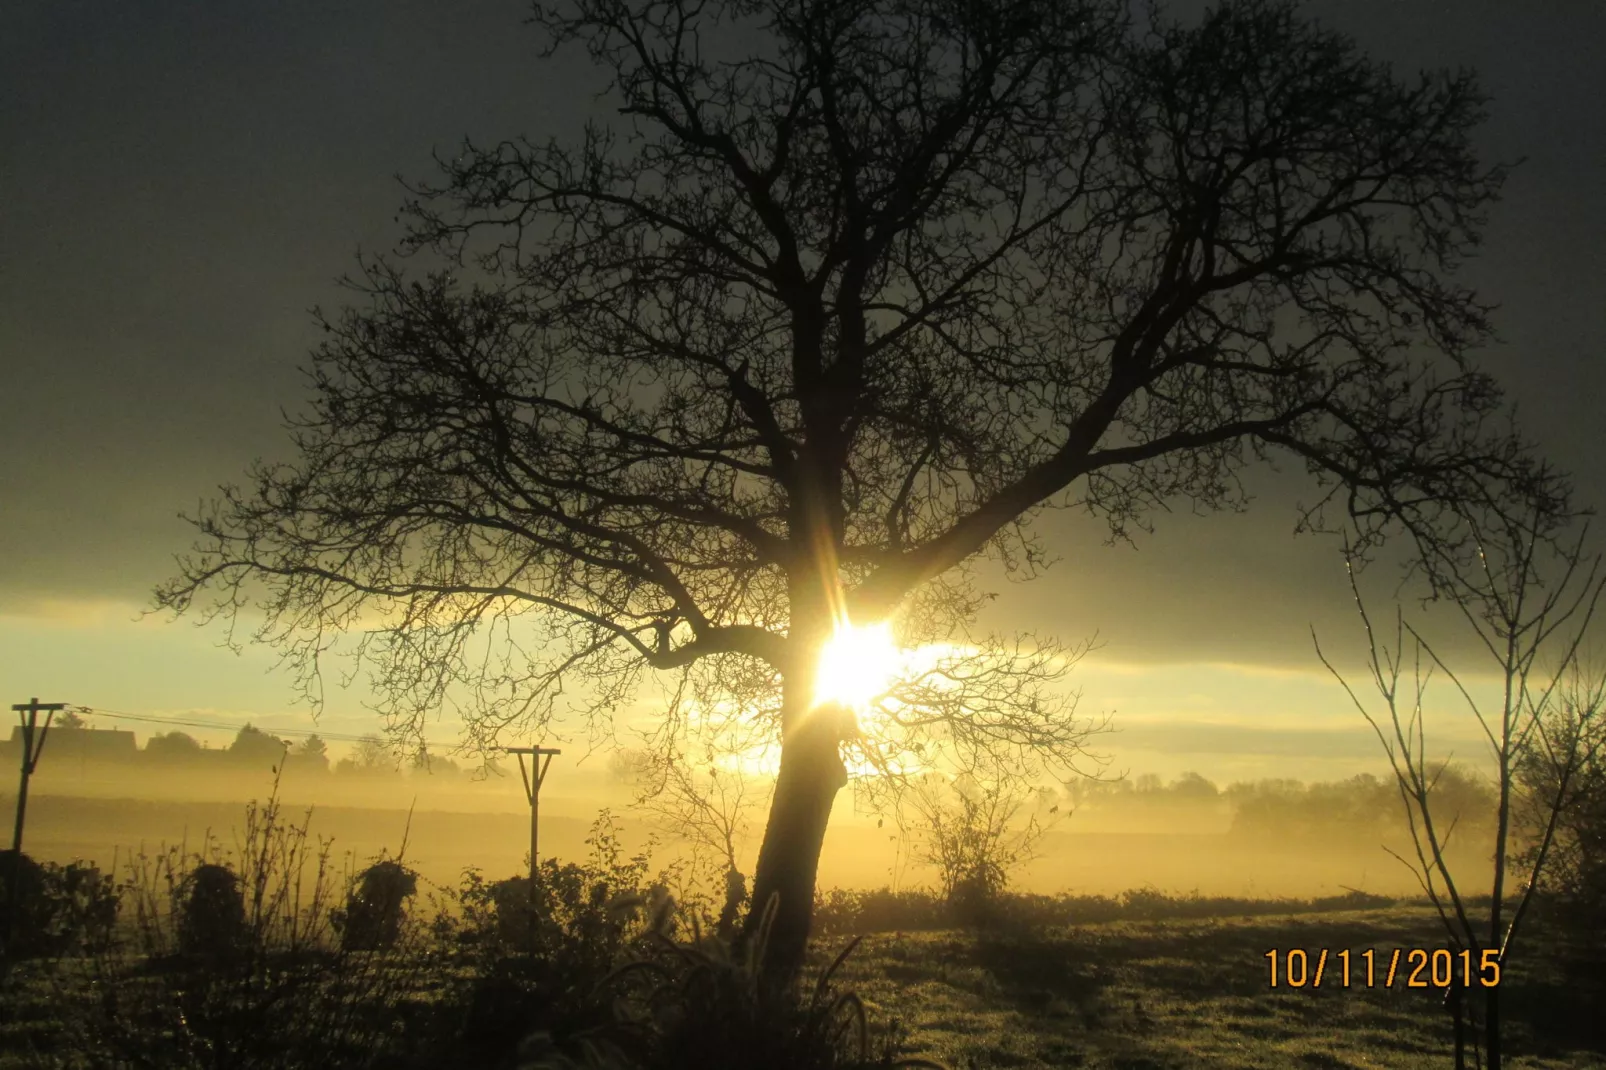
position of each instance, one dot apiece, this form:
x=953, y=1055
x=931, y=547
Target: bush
x=232, y=962
x=232, y=959
x=58, y=910
x=212, y=919
x=535, y=959
x=1573, y=884
x=376, y=907
x=970, y=835
x=736, y=900
x=697, y=1004
x=843, y=910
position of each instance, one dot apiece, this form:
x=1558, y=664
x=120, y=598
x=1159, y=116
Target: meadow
x=1152, y=982
x=1179, y=994
x=1150, y=978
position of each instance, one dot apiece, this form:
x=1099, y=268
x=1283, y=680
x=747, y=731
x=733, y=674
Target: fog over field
x=1274, y=839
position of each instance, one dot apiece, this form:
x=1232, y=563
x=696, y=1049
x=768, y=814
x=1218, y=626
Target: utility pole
x=33, y=744
x=532, y=791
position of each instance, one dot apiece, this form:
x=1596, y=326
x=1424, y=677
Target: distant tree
x=1193, y=786
x=839, y=298
x=1242, y=792
x=255, y=747
x=311, y=753
x=1362, y=808
x=172, y=747
x=1139, y=796
x=69, y=719
x=371, y=755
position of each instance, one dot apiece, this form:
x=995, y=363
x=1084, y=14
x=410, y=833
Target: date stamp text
x=1414, y=967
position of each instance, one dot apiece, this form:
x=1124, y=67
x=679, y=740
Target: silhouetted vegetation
x=242, y=959
x=842, y=910
x=172, y=748
x=819, y=312
x=1528, y=595
x=1363, y=808
x=376, y=907
x=967, y=833
x=1572, y=888
x=53, y=909
x=247, y=958
x=831, y=302
x=212, y=918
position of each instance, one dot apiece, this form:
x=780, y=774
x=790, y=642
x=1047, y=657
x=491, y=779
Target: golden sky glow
x=1190, y=617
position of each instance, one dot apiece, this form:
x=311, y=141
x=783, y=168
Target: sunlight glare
x=857, y=665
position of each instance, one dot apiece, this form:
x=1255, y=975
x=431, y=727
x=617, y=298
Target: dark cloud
x=181, y=181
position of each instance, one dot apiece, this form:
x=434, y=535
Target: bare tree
x=1528, y=597
x=370, y=756
x=971, y=832
x=839, y=297
x=708, y=804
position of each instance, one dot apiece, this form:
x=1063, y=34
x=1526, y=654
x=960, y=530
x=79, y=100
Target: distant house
x=75, y=744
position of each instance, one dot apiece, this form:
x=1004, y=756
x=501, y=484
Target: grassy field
x=1149, y=995
x=1170, y=995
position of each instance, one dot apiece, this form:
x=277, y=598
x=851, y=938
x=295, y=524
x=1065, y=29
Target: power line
x=191, y=722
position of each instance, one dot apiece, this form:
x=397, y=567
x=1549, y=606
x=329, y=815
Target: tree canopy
x=829, y=302
x=254, y=746
x=172, y=746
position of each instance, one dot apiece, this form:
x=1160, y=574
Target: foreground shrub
x=534, y=958
x=212, y=918
x=699, y=1005
x=58, y=910
x=235, y=959
x=376, y=907
x=1572, y=887
x=230, y=961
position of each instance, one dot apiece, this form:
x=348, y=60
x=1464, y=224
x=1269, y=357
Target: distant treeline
x=71, y=740
x=1363, y=807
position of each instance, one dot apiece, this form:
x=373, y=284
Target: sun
x=856, y=666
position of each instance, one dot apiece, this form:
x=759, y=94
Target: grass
x=1179, y=994
x=1159, y=994
x=1140, y=981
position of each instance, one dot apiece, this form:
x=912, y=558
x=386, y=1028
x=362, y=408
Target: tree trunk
x=1491, y=1026
x=811, y=774
x=1454, y=998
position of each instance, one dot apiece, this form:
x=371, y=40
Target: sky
x=180, y=182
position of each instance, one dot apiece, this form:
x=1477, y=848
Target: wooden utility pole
x=532, y=791
x=33, y=744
